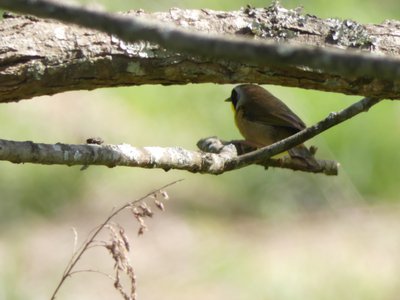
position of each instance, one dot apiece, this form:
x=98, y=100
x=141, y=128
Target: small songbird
x=263, y=119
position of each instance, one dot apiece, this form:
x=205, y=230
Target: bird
x=263, y=119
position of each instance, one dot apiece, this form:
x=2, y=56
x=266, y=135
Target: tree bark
x=42, y=57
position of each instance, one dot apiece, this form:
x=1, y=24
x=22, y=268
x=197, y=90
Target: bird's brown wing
x=273, y=112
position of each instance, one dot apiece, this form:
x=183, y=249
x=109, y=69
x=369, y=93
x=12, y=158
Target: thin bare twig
x=92, y=271
x=131, y=29
x=89, y=241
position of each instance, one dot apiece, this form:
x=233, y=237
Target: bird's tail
x=301, y=152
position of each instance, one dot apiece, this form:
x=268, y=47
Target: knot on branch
x=230, y=152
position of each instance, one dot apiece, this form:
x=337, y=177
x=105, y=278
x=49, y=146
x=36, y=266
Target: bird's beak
x=228, y=99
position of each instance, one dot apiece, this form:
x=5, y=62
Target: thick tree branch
x=178, y=158
x=50, y=57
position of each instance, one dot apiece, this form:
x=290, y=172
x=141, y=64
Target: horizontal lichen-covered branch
x=144, y=157
x=42, y=57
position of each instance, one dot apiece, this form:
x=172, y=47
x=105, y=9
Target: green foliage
x=33, y=189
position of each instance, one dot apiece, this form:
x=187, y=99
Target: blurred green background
x=228, y=230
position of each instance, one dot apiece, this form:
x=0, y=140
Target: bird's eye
x=234, y=97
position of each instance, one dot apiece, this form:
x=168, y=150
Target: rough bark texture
x=40, y=57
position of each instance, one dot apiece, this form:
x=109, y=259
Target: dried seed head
x=124, y=238
x=135, y=211
x=164, y=194
x=146, y=211
x=117, y=283
x=142, y=229
x=159, y=205
x=118, y=246
x=113, y=249
x=141, y=221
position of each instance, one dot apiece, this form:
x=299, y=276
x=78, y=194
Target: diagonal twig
x=333, y=119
